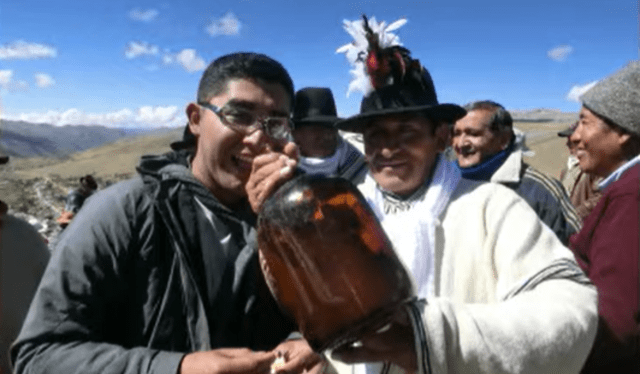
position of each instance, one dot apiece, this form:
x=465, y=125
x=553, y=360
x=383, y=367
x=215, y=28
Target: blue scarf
x=485, y=169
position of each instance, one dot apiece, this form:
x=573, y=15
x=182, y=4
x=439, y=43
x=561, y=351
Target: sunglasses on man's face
x=247, y=122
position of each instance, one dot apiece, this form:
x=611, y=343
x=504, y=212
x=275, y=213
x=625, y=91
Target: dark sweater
x=607, y=250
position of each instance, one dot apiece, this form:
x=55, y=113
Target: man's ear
x=624, y=138
x=193, y=115
x=505, y=139
x=629, y=148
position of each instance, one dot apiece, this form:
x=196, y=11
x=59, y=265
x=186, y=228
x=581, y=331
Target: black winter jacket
x=141, y=276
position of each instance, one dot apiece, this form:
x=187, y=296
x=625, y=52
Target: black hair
x=242, y=65
x=500, y=120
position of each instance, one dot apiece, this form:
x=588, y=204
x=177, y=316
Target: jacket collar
x=509, y=171
x=171, y=170
x=618, y=173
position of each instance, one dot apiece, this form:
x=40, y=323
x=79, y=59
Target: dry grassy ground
x=120, y=158
x=551, y=151
x=113, y=160
x=37, y=187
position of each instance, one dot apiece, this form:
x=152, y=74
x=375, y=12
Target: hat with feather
x=392, y=81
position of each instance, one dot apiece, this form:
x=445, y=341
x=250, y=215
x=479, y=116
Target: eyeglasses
x=247, y=122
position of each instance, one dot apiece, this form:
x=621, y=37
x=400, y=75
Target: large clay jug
x=328, y=262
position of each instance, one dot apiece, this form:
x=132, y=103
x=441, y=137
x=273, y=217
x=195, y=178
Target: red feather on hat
x=376, y=54
x=383, y=63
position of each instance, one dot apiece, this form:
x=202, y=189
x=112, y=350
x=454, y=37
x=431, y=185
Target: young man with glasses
x=159, y=274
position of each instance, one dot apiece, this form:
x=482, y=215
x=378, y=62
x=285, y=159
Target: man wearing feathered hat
x=496, y=290
x=322, y=149
x=485, y=143
x=607, y=144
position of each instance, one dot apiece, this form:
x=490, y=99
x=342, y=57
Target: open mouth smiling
x=466, y=151
x=243, y=162
x=389, y=163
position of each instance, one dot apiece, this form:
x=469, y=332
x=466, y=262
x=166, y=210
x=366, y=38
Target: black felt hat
x=188, y=140
x=568, y=131
x=89, y=182
x=414, y=94
x=314, y=105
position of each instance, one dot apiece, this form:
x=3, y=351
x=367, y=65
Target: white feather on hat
x=357, y=50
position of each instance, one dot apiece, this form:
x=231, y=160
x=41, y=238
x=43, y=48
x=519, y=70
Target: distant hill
x=113, y=160
x=543, y=115
x=118, y=159
x=107, y=152
x=24, y=139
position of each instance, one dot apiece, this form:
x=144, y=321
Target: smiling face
x=474, y=141
x=223, y=157
x=401, y=151
x=598, y=146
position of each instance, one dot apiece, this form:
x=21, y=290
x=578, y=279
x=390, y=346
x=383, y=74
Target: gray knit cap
x=617, y=97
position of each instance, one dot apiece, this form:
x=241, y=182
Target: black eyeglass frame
x=262, y=122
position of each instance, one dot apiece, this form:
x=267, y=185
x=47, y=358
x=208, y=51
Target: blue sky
x=138, y=63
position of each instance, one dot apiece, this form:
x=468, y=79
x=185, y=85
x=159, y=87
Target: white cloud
x=576, y=91
x=148, y=15
x=560, y=53
x=44, y=80
x=189, y=60
x=227, y=25
x=145, y=117
x=7, y=83
x=168, y=58
x=5, y=78
x=137, y=49
x=19, y=85
x=157, y=114
x=21, y=50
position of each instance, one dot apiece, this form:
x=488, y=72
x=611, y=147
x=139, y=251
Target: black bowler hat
x=413, y=95
x=568, y=131
x=314, y=105
x=399, y=83
x=88, y=182
x=188, y=140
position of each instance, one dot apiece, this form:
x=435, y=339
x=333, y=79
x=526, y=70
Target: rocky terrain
x=35, y=188
x=40, y=200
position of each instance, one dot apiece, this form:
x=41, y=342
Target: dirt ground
x=550, y=150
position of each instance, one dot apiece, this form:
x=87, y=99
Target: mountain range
x=23, y=139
